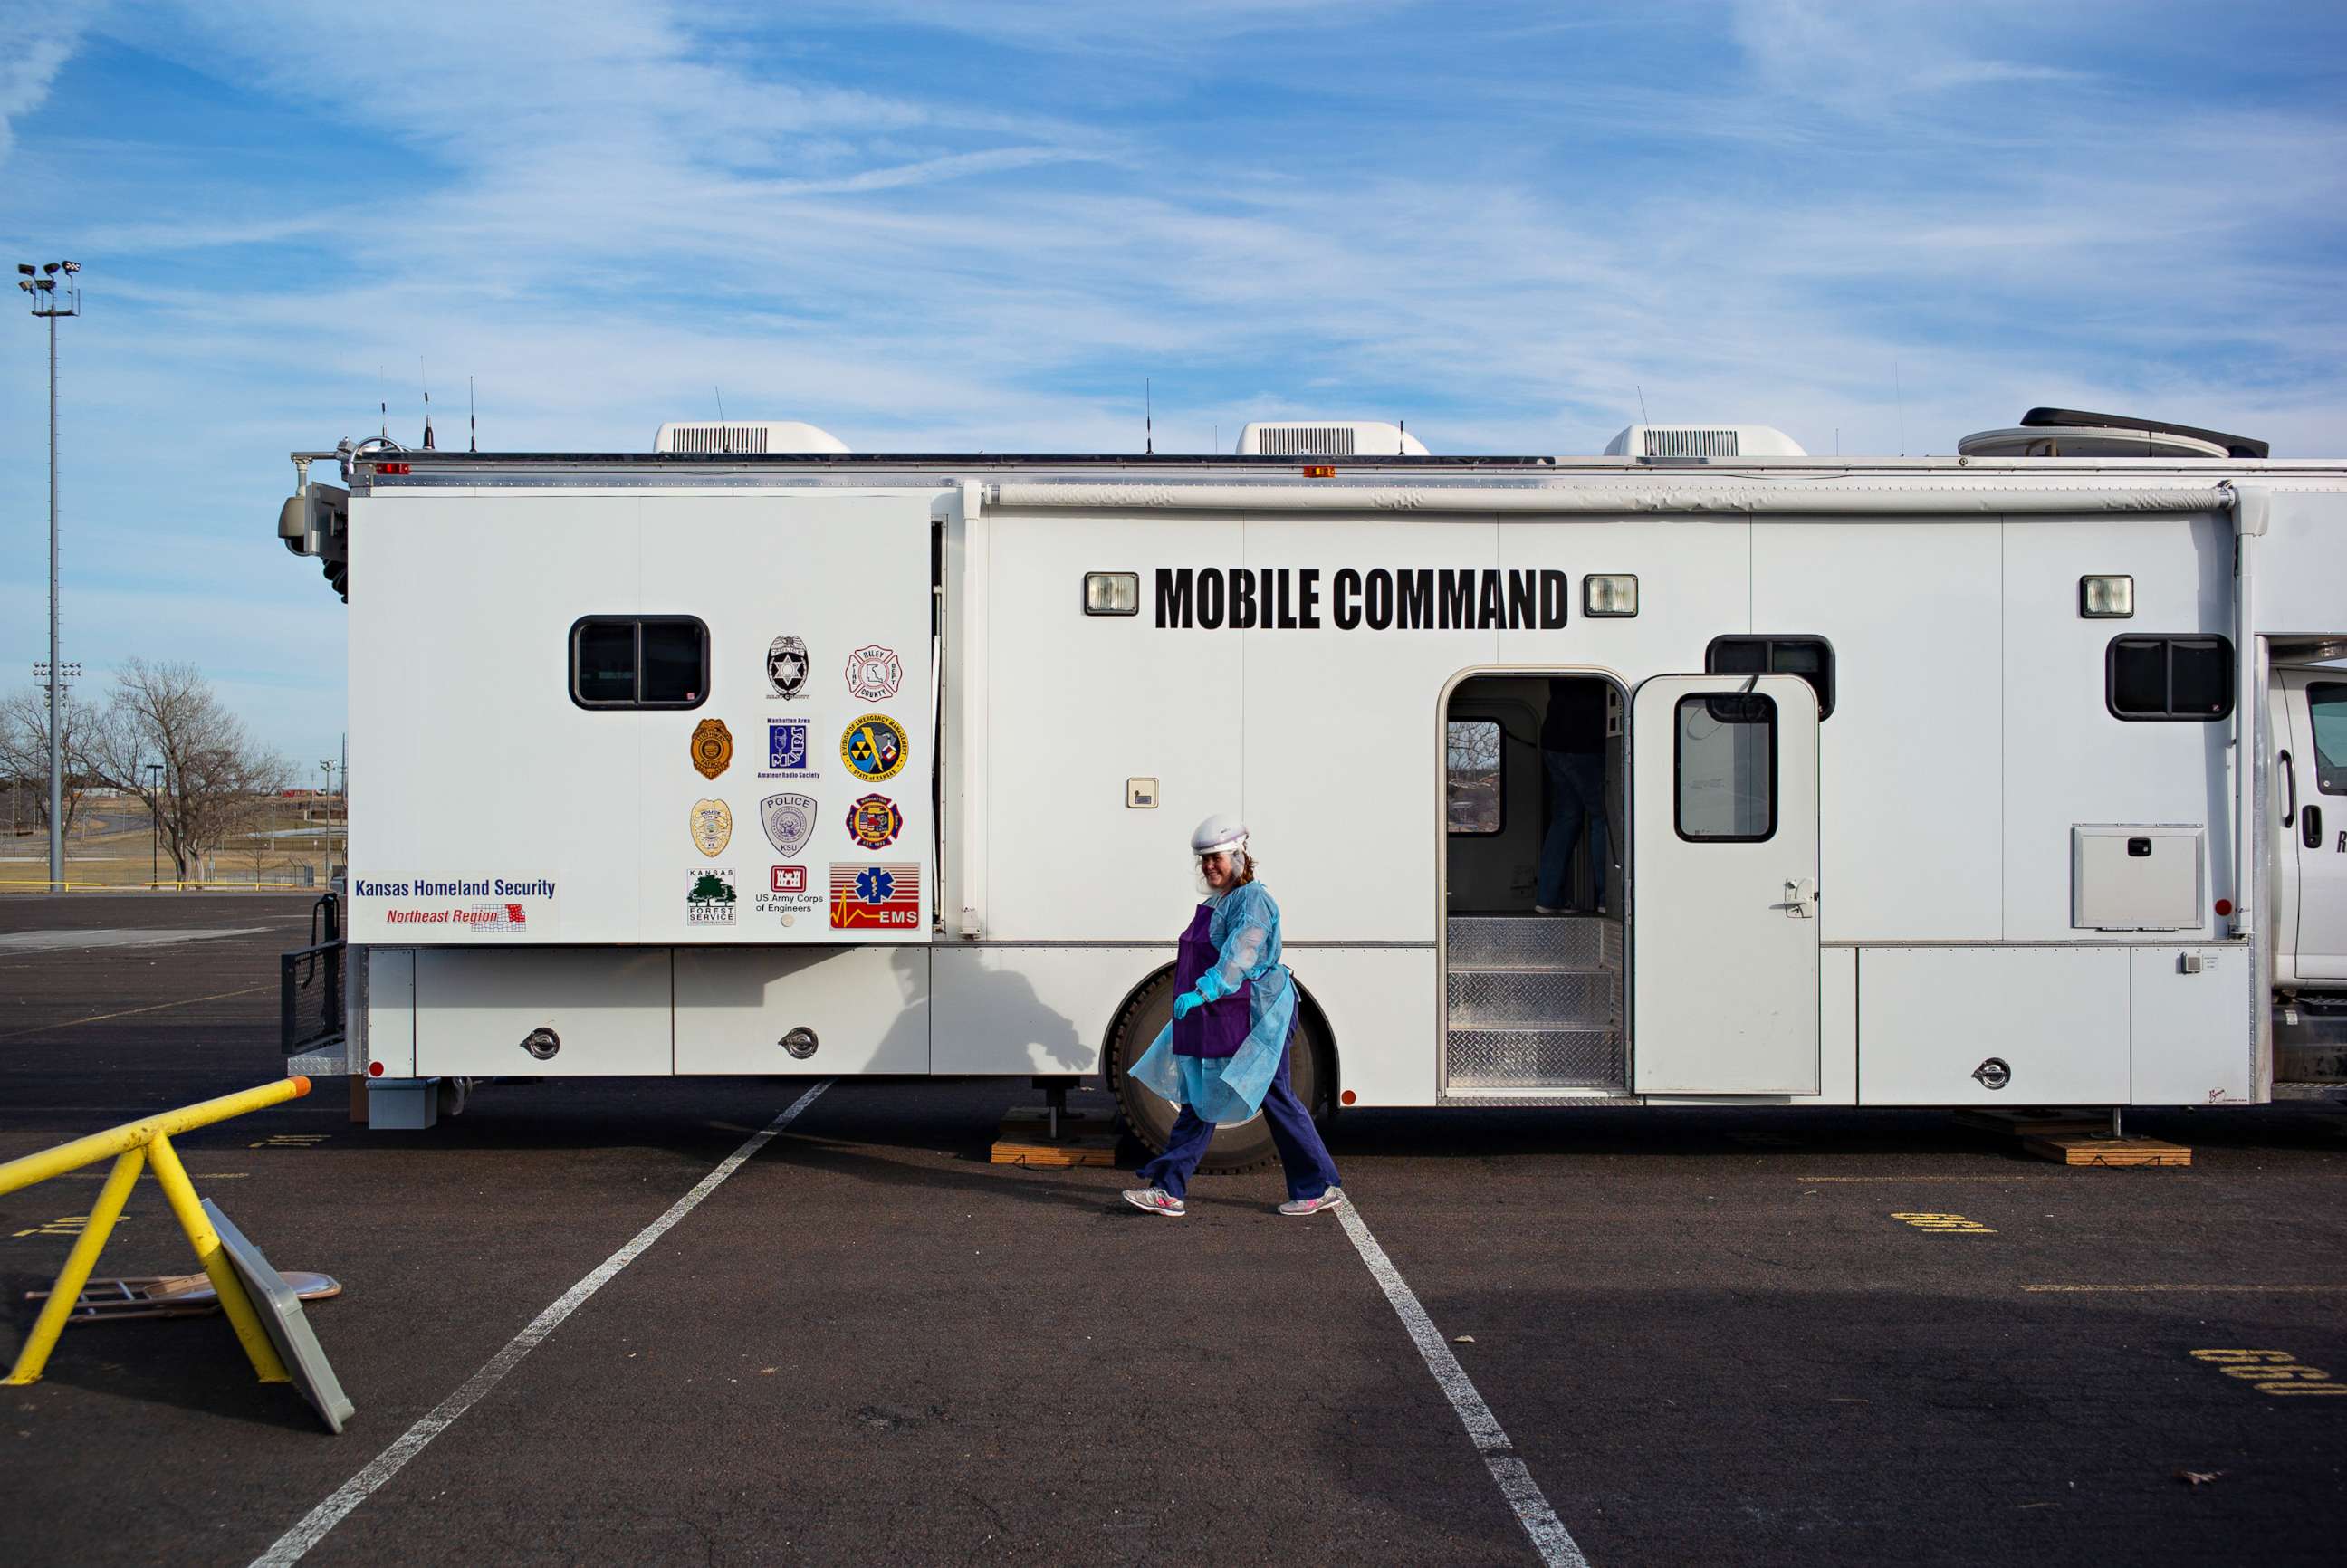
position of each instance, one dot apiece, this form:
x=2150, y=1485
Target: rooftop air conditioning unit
x=1682, y=441
x=1329, y=438
x=2074, y=433
x=747, y=438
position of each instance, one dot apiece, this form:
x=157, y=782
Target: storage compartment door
x=1723, y=915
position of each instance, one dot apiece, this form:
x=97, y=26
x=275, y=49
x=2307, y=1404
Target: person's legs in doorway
x=1563, y=833
x=1581, y=776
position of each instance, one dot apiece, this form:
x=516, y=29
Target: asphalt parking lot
x=1707, y=1336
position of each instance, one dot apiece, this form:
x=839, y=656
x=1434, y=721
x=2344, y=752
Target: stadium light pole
x=154, y=823
x=43, y=287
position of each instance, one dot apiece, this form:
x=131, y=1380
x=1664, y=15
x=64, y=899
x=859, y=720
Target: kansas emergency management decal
x=787, y=667
x=874, y=747
x=789, y=820
x=865, y=897
x=874, y=822
x=1423, y=598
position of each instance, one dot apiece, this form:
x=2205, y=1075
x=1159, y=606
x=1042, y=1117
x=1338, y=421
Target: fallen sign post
x=134, y=1146
x=289, y=1331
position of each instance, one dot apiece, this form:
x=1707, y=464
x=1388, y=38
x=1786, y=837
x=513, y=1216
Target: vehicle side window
x=1810, y=658
x=639, y=662
x=1475, y=776
x=2169, y=678
x=2326, y=703
x=1724, y=768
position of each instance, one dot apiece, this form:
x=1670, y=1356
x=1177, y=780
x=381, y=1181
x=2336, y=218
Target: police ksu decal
x=874, y=747
x=712, y=824
x=787, y=667
x=875, y=822
x=712, y=747
x=873, y=673
x=789, y=820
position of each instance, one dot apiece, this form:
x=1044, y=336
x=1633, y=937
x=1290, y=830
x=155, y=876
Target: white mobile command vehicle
x=2010, y=777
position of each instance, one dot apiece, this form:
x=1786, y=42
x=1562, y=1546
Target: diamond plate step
x=1479, y=1059
x=1533, y=942
x=1534, y=999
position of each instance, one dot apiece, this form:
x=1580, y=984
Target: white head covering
x=1218, y=832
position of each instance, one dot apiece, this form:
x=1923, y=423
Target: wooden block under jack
x=2101, y=1149
x=1083, y=1141
x=2034, y=1123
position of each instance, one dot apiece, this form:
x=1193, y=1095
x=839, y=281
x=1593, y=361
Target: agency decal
x=786, y=751
x=789, y=822
x=427, y=907
x=710, y=823
x=873, y=673
x=874, y=822
x=787, y=667
x=867, y=897
x=788, y=894
x=712, y=747
x=708, y=899
x=874, y=747
x=1411, y=598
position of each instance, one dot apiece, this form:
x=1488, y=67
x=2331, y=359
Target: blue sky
x=972, y=226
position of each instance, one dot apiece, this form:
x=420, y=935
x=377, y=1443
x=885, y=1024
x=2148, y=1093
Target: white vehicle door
x=2317, y=777
x=1723, y=885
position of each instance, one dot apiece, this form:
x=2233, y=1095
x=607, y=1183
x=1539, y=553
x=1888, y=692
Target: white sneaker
x=1155, y=1201
x=1332, y=1199
x=1545, y=909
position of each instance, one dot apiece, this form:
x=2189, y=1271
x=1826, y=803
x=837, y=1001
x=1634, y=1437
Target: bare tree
x=24, y=750
x=215, y=781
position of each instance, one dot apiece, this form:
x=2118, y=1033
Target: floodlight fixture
x=51, y=268
x=70, y=266
x=26, y=268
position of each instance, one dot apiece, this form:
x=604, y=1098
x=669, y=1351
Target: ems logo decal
x=787, y=667
x=786, y=750
x=875, y=822
x=874, y=747
x=712, y=747
x=712, y=826
x=865, y=897
x=873, y=673
x=789, y=820
x=710, y=899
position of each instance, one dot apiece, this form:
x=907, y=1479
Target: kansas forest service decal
x=1413, y=599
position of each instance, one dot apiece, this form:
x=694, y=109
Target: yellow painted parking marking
x=64, y=1225
x=1954, y=1224
x=2275, y=1372
x=290, y=1140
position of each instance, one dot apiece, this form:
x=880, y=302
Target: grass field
x=112, y=846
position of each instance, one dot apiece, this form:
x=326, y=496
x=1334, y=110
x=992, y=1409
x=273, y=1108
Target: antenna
x=428, y=401
x=472, y=418
x=382, y=404
x=725, y=431
x=1148, y=420
x=1402, y=447
x=1641, y=403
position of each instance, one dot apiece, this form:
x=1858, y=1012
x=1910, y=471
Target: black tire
x=1248, y=1145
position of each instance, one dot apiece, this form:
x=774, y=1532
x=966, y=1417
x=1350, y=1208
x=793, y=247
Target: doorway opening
x=1535, y=768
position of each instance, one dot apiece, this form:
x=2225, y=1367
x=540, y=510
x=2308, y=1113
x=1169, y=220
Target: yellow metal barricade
x=136, y=1145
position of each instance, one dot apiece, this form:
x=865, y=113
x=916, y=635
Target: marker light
x=2224, y=906
x=1111, y=593
x=1319, y=470
x=393, y=468
x=2106, y=598
x=374, y=1070
x=1616, y=595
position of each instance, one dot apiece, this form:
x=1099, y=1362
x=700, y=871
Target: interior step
x=1480, y=1058
x=1532, y=942
x=1532, y=999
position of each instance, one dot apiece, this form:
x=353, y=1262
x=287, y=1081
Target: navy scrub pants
x=1302, y=1156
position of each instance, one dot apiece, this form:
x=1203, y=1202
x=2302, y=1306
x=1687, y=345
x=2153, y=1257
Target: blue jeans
x=1577, y=788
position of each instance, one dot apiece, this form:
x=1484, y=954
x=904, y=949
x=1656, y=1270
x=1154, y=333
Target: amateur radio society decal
x=873, y=673
x=874, y=747
x=789, y=822
x=786, y=751
x=708, y=899
x=712, y=747
x=787, y=893
x=874, y=822
x=423, y=907
x=712, y=823
x=787, y=667
x=865, y=897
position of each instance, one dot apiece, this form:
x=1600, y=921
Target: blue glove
x=1186, y=1004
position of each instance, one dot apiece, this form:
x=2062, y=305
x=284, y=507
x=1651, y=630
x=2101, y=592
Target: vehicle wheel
x=1246, y=1147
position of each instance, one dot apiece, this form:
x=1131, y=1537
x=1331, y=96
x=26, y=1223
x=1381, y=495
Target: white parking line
x=292, y=1545
x=1549, y=1536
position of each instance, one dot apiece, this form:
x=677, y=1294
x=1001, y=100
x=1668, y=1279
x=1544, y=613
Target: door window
x=1724, y=768
x=2326, y=705
x=1473, y=753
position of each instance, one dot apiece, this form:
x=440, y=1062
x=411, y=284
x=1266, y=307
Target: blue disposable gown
x=1229, y=1089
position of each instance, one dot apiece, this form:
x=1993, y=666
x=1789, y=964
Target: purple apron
x=1219, y=1027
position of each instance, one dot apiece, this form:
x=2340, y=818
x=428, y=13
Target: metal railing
x=310, y=983
x=136, y=1145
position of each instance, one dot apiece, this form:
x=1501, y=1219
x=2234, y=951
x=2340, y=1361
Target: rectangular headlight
x=2106, y=598
x=1111, y=593
x=1613, y=595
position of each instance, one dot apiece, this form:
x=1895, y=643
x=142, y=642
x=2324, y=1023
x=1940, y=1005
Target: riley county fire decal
x=875, y=673
x=867, y=897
